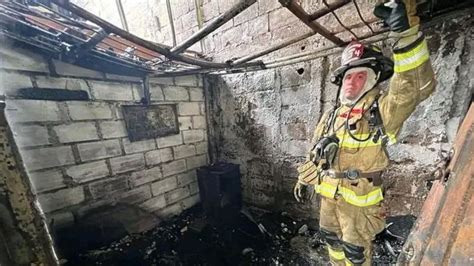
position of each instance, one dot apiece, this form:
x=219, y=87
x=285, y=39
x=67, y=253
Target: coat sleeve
x=318, y=132
x=413, y=81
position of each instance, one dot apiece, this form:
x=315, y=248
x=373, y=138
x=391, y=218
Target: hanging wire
x=339, y=21
x=361, y=17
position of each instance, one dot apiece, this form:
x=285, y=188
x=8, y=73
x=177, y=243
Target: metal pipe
x=298, y=11
x=123, y=19
x=329, y=8
x=159, y=48
x=214, y=24
x=171, y=21
x=272, y=49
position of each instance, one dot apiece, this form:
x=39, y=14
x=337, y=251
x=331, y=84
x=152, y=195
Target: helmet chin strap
x=368, y=86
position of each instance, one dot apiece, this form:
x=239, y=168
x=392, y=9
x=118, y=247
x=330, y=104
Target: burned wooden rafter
x=298, y=11
x=159, y=48
x=213, y=25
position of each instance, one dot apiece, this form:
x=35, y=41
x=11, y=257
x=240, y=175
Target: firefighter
x=349, y=155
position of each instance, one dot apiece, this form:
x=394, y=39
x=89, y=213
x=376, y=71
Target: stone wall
x=77, y=153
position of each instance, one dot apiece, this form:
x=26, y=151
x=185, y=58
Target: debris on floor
x=244, y=238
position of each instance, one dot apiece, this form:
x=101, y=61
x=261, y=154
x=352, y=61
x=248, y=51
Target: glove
x=397, y=15
x=303, y=191
x=308, y=173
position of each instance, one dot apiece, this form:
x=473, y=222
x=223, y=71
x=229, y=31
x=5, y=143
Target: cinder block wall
x=264, y=120
x=77, y=153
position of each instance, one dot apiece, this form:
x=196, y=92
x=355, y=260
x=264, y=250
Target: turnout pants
x=349, y=230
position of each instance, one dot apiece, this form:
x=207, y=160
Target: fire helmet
x=357, y=54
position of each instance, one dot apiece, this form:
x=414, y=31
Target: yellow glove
x=308, y=173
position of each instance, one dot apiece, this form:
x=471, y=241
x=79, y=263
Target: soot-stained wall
x=264, y=121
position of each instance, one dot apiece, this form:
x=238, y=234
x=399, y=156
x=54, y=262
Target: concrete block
x=32, y=111
x=202, y=108
x=196, y=94
x=199, y=122
x=46, y=180
x=21, y=59
x=47, y=157
x=193, y=188
x=154, y=204
x=163, y=186
x=60, y=199
x=99, y=150
x=61, y=219
x=168, y=141
x=88, y=171
x=138, y=92
x=114, y=91
x=281, y=17
x=163, y=81
x=127, y=163
x=27, y=136
x=169, y=211
x=156, y=93
x=190, y=201
x=158, y=156
x=75, y=132
x=246, y=15
x=174, y=168
x=210, y=10
x=108, y=188
x=265, y=6
x=191, y=136
x=191, y=108
x=294, y=75
x=196, y=161
x=12, y=81
x=202, y=148
x=185, y=122
x=175, y=93
x=183, y=151
x=177, y=195
x=137, y=195
x=138, y=146
x=65, y=69
x=189, y=81
x=258, y=26
x=144, y=176
x=61, y=83
x=113, y=129
x=187, y=178
x=89, y=110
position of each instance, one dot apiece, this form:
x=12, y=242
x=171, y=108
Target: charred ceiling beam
x=298, y=11
x=159, y=48
x=329, y=8
x=322, y=12
x=213, y=25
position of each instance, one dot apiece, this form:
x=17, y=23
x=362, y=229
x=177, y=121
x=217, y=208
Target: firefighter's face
x=353, y=84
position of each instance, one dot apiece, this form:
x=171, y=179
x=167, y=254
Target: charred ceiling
x=64, y=31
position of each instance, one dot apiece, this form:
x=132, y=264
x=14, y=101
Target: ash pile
x=243, y=238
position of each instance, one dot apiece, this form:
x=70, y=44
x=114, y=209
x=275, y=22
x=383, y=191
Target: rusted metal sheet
x=444, y=232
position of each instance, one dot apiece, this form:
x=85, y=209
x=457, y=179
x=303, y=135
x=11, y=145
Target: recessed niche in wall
x=147, y=122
